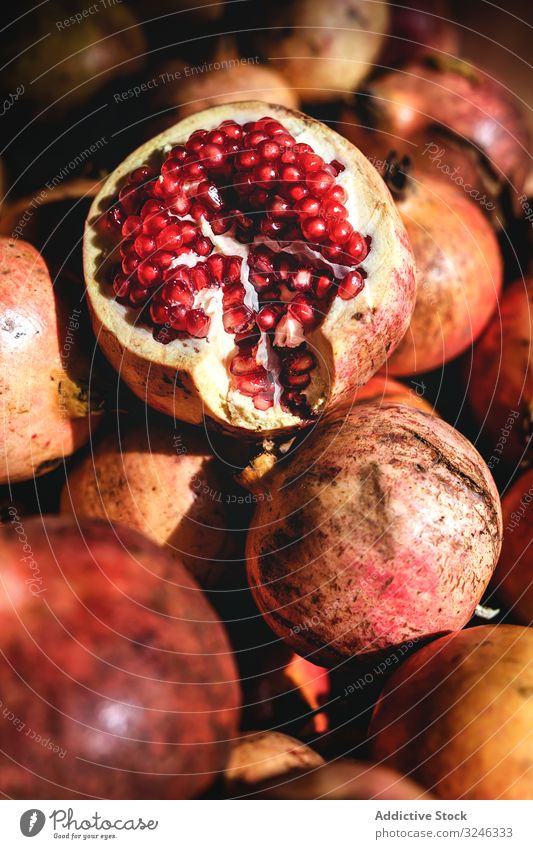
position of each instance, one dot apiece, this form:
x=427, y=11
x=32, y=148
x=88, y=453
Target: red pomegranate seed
x=177, y=317
x=179, y=152
x=320, y=182
x=144, y=245
x=302, y=308
x=350, y=286
x=323, y=286
x=337, y=166
x=310, y=162
x=216, y=137
x=214, y=155
x=138, y=296
x=291, y=174
x=302, y=280
x=357, y=247
x=130, y=199
x=269, y=150
x=202, y=246
x=241, y=364
x=132, y=226
x=299, y=363
x=261, y=259
x=163, y=259
x=336, y=193
x=252, y=384
x=268, y=317
x=170, y=237
x=232, y=271
x=188, y=232
x=200, y=277
x=179, y=204
x=238, y=319
x=130, y=263
x=296, y=192
x=265, y=174
x=159, y=312
x=314, y=229
x=149, y=274
x=299, y=381
x=176, y=292
x=307, y=207
x=233, y=295
x=260, y=281
x=339, y=231
x=169, y=185
x=279, y=207
x=231, y=129
x=152, y=224
x=115, y=218
x=263, y=401
x=121, y=285
x=334, y=211
x=141, y=175
x=198, y=323
x=247, y=159
x=216, y=263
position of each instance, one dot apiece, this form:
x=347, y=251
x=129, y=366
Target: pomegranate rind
x=385, y=527
x=459, y=272
x=43, y=382
x=188, y=379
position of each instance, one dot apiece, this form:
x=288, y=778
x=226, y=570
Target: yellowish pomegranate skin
x=44, y=376
x=457, y=715
x=164, y=483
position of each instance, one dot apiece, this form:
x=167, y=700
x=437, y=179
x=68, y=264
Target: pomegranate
x=163, y=483
x=383, y=528
x=459, y=269
x=381, y=390
x=322, y=49
x=456, y=715
x=343, y=779
x=229, y=81
x=44, y=384
x=62, y=62
x=500, y=377
x=269, y=284
x=461, y=99
x=263, y=755
x=419, y=28
x=513, y=579
x=117, y=678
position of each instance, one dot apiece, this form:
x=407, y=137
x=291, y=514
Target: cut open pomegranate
x=246, y=266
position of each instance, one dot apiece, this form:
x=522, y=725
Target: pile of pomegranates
x=266, y=404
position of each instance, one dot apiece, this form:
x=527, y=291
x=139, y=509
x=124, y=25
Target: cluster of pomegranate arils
x=258, y=185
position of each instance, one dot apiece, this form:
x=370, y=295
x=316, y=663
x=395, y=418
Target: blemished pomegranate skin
x=117, y=677
x=383, y=528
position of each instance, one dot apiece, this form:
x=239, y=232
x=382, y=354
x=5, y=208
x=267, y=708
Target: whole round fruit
x=513, y=579
x=456, y=715
x=343, y=779
x=164, y=483
x=461, y=99
x=321, y=49
x=459, y=269
x=117, y=678
x=63, y=61
x=383, y=528
x=229, y=81
x=44, y=371
x=260, y=756
x=500, y=377
x=253, y=273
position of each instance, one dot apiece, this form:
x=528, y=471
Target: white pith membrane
x=219, y=348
